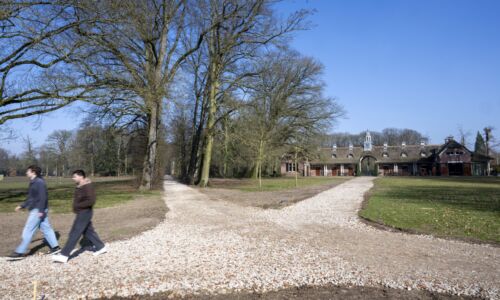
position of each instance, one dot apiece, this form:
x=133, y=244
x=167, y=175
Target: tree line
x=100, y=150
x=391, y=136
x=207, y=72
x=214, y=82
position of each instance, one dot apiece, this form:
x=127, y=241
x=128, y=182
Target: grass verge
x=465, y=208
x=109, y=191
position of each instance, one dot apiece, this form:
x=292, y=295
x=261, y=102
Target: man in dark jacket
x=83, y=202
x=38, y=206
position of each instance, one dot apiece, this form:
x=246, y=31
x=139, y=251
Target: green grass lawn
x=275, y=184
x=110, y=191
x=451, y=207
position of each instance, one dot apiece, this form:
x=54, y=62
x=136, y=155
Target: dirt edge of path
x=275, y=200
x=114, y=223
x=310, y=292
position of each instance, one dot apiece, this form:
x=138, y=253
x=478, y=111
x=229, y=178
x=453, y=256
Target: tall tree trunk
x=256, y=169
x=148, y=169
x=126, y=165
x=226, y=147
x=260, y=158
x=212, y=109
x=92, y=161
x=193, y=159
x=197, y=130
x=118, y=152
x=296, y=169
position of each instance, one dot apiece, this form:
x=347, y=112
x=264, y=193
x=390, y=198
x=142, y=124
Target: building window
x=290, y=167
x=404, y=154
x=334, y=155
x=385, y=154
x=423, y=154
x=454, y=153
x=350, y=156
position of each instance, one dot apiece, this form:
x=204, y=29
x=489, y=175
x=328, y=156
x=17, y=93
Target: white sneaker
x=101, y=251
x=59, y=258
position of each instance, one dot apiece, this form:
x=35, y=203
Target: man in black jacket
x=38, y=205
x=83, y=202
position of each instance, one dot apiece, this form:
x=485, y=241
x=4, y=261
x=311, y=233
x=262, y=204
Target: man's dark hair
x=79, y=173
x=36, y=169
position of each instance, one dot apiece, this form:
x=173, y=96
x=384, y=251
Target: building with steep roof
x=448, y=159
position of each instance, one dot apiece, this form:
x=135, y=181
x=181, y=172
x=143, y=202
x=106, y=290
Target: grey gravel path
x=208, y=246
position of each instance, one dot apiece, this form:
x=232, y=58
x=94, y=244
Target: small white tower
x=368, y=142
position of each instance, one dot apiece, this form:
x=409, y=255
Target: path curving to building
x=206, y=246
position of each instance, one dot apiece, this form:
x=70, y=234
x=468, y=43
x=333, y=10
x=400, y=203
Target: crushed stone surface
x=216, y=247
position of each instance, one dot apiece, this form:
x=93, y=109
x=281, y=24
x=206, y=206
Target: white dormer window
x=404, y=154
x=385, y=154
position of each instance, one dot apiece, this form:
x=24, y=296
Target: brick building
x=448, y=159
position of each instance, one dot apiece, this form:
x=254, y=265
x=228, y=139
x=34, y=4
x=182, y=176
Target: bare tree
x=136, y=49
x=287, y=106
x=6, y=133
x=29, y=156
x=464, y=136
x=35, y=74
x=246, y=27
x=59, y=142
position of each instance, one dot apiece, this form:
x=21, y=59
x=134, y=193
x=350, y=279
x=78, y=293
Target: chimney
x=448, y=139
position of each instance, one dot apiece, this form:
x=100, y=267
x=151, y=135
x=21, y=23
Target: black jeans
x=82, y=226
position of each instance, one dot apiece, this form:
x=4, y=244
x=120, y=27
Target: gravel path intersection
x=208, y=246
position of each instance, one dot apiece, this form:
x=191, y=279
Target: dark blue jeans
x=82, y=226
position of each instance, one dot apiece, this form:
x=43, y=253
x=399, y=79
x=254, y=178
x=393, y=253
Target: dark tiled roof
x=394, y=154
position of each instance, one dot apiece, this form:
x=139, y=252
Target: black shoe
x=54, y=250
x=16, y=256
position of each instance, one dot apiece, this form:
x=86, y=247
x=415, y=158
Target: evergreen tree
x=480, y=146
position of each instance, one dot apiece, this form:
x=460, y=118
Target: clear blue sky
x=428, y=65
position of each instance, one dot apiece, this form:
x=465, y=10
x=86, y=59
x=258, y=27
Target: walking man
x=38, y=206
x=83, y=202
